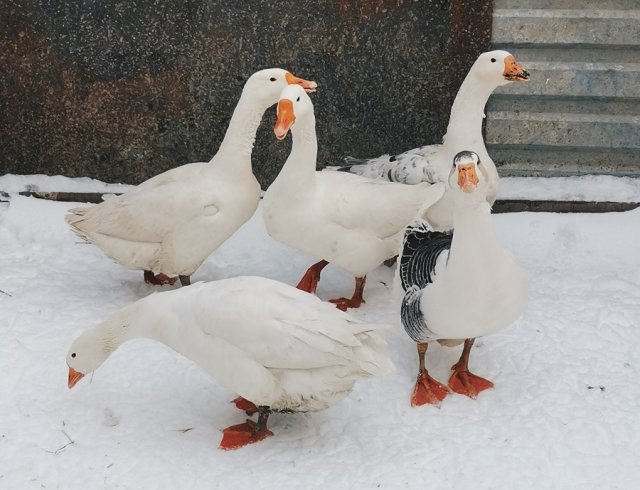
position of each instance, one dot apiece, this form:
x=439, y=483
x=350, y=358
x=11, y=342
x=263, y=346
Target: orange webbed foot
x=158, y=279
x=240, y=435
x=468, y=384
x=243, y=404
x=344, y=303
x=428, y=391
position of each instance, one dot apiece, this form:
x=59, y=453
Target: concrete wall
x=123, y=90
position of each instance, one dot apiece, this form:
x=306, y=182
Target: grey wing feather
x=411, y=167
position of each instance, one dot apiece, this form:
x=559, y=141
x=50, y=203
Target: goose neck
x=241, y=133
x=467, y=112
x=301, y=163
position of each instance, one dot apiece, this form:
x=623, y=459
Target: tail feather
x=372, y=356
x=74, y=219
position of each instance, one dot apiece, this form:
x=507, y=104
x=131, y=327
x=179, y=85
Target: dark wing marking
x=420, y=251
x=356, y=161
x=412, y=317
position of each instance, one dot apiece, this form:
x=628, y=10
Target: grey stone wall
x=123, y=90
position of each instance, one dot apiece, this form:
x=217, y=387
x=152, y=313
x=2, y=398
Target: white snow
x=564, y=412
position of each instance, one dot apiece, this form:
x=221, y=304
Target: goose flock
x=279, y=348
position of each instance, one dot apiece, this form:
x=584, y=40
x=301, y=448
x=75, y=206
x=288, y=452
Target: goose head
x=86, y=354
x=294, y=103
x=499, y=66
x=267, y=84
x=468, y=176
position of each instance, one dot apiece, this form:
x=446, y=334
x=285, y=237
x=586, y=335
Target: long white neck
x=467, y=113
x=301, y=164
x=118, y=328
x=237, y=145
x=474, y=237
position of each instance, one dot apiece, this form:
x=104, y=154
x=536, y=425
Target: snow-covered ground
x=565, y=411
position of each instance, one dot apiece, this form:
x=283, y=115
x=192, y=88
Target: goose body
x=347, y=220
x=172, y=222
x=274, y=345
x=431, y=163
x=463, y=285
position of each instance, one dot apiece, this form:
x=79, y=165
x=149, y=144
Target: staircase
x=580, y=113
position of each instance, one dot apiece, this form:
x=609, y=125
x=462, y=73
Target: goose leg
x=356, y=300
x=464, y=382
x=185, y=280
x=243, y=404
x=240, y=435
x=309, y=281
x=427, y=389
x=158, y=279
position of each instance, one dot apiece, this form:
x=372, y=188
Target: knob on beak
x=513, y=71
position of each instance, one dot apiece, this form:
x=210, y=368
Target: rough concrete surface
x=121, y=91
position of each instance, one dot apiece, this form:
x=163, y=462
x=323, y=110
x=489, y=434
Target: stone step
x=564, y=129
x=578, y=79
x=566, y=4
x=567, y=26
x=576, y=105
x=572, y=53
x=545, y=161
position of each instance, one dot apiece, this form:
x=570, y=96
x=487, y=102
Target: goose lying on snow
x=343, y=219
x=460, y=286
x=172, y=222
x=279, y=348
x=431, y=163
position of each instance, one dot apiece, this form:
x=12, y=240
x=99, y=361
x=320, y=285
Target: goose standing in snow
x=170, y=224
x=280, y=349
x=431, y=163
x=458, y=286
x=343, y=219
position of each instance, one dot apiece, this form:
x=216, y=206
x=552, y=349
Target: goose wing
x=411, y=167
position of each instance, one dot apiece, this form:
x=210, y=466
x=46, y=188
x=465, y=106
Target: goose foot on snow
x=427, y=389
x=158, y=279
x=356, y=300
x=245, y=405
x=240, y=435
x=464, y=382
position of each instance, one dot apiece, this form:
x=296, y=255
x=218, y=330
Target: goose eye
x=273, y=79
x=298, y=99
x=493, y=60
x=73, y=354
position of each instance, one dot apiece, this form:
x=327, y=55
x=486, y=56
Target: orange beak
x=467, y=178
x=513, y=71
x=285, y=120
x=74, y=377
x=307, y=85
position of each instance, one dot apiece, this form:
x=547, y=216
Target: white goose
x=431, y=163
x=461, y=286
x=171, y=223
x=277, y=347
x=343, y=219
